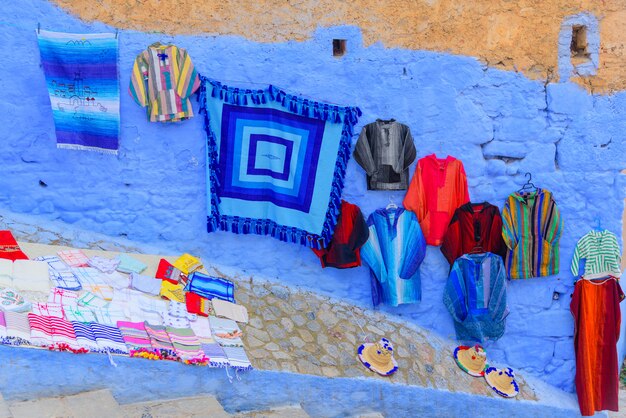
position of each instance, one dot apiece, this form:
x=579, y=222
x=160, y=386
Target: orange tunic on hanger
x=438, y=187
x=597, y=317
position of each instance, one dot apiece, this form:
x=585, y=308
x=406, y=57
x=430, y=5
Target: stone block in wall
x=564, y=349
x=568, y=99
x=541, y=158
x=517, y=129
x=495, y=149
x=527, y=352
x=530, y=293
x=551, y=323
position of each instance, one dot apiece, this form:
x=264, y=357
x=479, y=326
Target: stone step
x=371, y=415
x=95, y=404
x=290, y=411
x=198, y=406
x=4, y=408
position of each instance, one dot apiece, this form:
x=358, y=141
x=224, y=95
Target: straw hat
x=471, y=360
x=502, y=381
x=378, y=357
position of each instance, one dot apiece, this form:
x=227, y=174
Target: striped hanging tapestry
x=82, y=78
x=275, y=162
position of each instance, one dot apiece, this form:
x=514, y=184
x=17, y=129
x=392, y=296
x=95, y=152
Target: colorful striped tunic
x=162, y=80
x=601, y=253
x=532, y=227
x=475, y=296
x=394, y=251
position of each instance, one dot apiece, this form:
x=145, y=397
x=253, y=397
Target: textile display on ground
x=82, y=78
x=120, y=320
x=275, y=162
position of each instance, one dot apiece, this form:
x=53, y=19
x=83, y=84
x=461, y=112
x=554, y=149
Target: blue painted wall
x=500, y=124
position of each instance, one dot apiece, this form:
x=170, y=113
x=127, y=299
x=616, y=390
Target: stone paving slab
x=200, y=406
x=95, y=404
x=4, y=408
x=280, y=412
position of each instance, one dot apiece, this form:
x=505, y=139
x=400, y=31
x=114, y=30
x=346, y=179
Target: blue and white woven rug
x=276, y=162
x=82, y=78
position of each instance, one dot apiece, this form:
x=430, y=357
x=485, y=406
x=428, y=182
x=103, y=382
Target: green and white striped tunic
x=601, y=253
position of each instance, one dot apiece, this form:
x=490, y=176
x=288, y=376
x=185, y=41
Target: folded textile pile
x=18, y=329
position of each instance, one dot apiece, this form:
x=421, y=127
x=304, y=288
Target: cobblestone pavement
x=304, y=332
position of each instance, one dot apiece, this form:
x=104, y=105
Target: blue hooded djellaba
x=394, y=251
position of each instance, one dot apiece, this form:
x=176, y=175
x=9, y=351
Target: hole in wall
x=43, y=183
x=339, y=47
x=579, y=46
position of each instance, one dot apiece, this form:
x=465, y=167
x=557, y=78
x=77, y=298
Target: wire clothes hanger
x=598, y=226
x=392, y=204
x=528, y=185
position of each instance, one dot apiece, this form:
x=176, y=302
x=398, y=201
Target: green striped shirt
x=601, y=253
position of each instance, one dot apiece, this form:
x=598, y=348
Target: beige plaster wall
x=513, y=35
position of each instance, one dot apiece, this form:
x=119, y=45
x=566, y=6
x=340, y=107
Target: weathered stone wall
x=512, y=35
x=500, y=123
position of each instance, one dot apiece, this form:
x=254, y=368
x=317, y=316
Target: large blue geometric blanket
x=275, y=162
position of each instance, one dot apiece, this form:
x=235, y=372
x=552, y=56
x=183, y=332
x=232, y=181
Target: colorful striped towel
x=18, y=329
x=109, y=338
x=74, y=258
x=160, y=341
x=229, y=310
x=237, y=358
x=85, y=337
x=186, y=344
x=136, y=338
x=3, y=328
x=129, y=264
x=105, y=265
x=94, y=281
x=211, y=287
x=63, y=334
x=40, y=330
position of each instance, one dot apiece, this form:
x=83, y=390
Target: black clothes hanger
x=528, y=185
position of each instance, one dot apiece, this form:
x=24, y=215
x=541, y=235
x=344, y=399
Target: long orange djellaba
x=595, y=306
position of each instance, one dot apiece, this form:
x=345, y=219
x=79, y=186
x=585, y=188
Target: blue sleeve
x=454, y=297
x=371, y=254
x=414, y=248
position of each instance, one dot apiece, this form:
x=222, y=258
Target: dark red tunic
x=474, y=225
x=350, y=234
